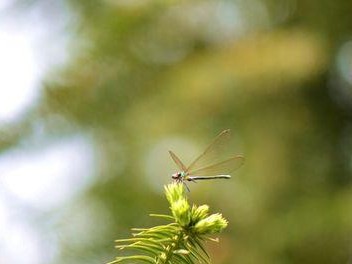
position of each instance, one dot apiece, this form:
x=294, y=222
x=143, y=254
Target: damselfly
x=208, y=165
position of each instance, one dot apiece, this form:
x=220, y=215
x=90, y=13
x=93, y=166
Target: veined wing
x=211, y=153
x=220, y=168
x=178, y=162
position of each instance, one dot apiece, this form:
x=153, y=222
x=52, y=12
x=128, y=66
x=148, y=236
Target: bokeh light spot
x=47, y=177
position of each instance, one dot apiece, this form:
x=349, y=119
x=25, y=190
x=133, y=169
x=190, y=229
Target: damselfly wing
x=208, y=165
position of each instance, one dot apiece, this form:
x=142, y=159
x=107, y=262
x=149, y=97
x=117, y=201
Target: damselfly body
x=207, y=165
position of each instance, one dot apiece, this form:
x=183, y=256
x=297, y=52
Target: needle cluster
x=180, y=241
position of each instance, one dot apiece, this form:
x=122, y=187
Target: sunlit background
x=94, y=93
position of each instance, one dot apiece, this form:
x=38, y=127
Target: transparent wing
x=213, y=153
x=224, y=167
x=178, y=162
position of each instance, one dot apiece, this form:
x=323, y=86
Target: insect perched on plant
x=207, y=165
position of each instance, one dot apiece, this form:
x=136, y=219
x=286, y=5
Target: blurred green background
x=124, y=81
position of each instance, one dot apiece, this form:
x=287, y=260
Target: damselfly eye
x=179, y=174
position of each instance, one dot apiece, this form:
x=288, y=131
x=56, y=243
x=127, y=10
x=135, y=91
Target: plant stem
x=169, y=250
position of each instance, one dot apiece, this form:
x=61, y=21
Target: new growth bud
x=181, y=211
x=211, y=225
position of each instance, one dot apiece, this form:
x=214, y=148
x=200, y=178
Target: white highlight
x=19, y=74
x=48, y=177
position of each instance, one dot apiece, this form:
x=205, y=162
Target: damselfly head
x=176, y=176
